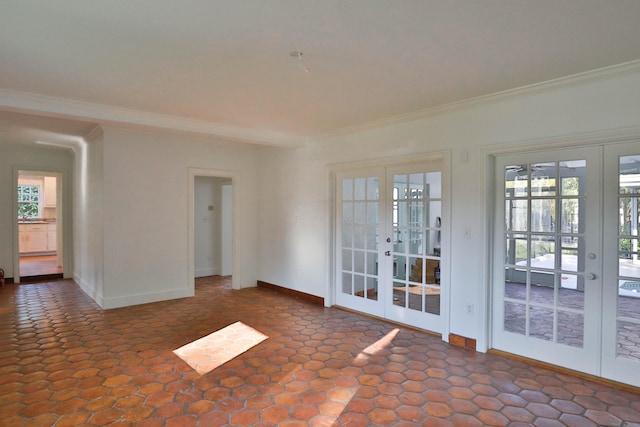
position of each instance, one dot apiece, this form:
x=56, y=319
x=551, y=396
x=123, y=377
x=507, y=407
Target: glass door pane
x=547, y=260
x=357, y=259
x=543, y=297
x=416, y=234
x=628, y=298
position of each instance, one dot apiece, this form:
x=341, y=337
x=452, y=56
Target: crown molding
x=579, y=79
x=103, y=114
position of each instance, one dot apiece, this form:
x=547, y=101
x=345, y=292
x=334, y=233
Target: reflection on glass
x=360, y=213
x=515, y=317
x=629, y=171
x=372, y=263
x=400, y=182
x=516, y=249
x=403, y=214
x=572, y=175
x=372, y=213
x=570, y=328
x=372, y=288
x=372, y=238
x=432, y=300
x=516, y=218
x=358, y=285
x=569, y=294
x=359, y=232
x=360, y=185
x=415, y=294
x=569, y=253
x=543, y=179
x=543, y=215
x=347, y=213
x=570, y=216
x=629, y=300
x=628, y=262
x=628, y=339
x=416, y=244
x=346, y=283
x=516, y=180
x=358, y=261
x=416, y=270
x=347, y=236
x=401, y=267
x=543, y=248
x=399, y=294
x=347, y=263
x=541, y=323
x=516, y=290
x=542, y=287
x=372, y=188
x=416, y=185
x=628, y=208
x=401, y=239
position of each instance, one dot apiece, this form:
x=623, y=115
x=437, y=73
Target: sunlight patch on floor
x=207, y=353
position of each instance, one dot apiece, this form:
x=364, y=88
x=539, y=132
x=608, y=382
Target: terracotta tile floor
x=66, y=362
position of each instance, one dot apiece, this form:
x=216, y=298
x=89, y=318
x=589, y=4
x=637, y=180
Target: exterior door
x=547, y=282
x=621, y=293
x=389, y=237
x=567, y=269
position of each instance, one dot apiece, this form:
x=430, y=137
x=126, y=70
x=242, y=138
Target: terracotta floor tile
x=63, y=361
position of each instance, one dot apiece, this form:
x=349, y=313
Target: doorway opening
x=212, y=229
x=39, y=214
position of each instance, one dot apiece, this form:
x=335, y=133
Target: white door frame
x=236, y=280
x=63, y=217
x=488, y=196
x=444, y=157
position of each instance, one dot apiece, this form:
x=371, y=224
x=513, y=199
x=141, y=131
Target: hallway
x=66, y=362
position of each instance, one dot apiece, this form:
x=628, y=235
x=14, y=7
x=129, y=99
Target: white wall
x=145, y=211
x=88, y=217
x=295, y=218
x=27, y=158
x=207, y=223
x=226, y=251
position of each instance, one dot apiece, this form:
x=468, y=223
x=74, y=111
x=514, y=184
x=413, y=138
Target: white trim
x=587, y=77
x=63, y=216
x=391, y=161
x=237, y=279
x=442, y=156
x=25, y=102
x=129, y=300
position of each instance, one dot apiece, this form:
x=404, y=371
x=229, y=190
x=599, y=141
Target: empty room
x=324, y=213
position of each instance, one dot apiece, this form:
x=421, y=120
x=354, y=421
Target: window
x=28, y=201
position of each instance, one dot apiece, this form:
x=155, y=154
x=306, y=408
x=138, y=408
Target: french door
x=389, y=243
x=566, y=275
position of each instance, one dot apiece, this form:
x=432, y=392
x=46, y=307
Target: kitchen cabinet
x=50, y=191
x=52, y=237
x=35, y=238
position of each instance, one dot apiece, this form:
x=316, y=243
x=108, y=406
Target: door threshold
x=556, y=368
x=41, y=278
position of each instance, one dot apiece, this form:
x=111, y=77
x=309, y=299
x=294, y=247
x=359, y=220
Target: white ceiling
x=223, y=67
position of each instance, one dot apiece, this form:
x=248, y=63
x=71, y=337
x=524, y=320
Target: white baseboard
x=128, y=300
x=204, y=272
x=89, y=290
